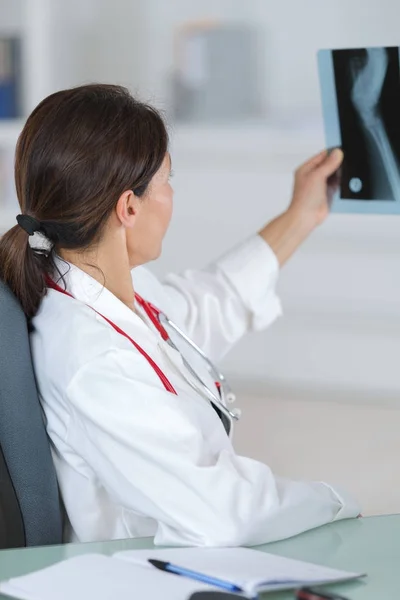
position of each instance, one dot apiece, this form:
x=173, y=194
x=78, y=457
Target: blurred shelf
x=7, y=219
x=10, y=130
x=246, y=144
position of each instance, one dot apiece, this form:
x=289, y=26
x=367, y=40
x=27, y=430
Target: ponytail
x=23, y=269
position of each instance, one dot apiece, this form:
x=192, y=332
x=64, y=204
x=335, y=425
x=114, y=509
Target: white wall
x=295, y=31
x=10, y=12
x=134, y=39
x=344, y=442
x=130, y=41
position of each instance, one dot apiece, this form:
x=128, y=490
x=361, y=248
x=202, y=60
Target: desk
x=368, y=545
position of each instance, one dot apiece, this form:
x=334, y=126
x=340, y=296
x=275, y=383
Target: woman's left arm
x=236, y=294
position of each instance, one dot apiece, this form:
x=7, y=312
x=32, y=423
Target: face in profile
x=144, y=240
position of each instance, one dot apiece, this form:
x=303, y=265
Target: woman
x=138, y=447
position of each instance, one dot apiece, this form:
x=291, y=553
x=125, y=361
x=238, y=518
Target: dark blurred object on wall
x=10, y=78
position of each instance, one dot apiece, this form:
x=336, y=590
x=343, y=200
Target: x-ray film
x=361, y=105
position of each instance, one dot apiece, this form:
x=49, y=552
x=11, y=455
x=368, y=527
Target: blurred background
x=238, y=83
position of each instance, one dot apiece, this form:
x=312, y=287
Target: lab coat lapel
x=89, y=291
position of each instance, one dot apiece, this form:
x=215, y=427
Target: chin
x=137, y=261
x=156, y=254
x=157, y=250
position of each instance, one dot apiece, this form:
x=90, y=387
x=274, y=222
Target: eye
x=171, y=174
x=139, y=191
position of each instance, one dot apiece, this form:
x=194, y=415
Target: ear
x=127, y=208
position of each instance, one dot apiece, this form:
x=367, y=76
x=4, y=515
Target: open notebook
x=129, y=575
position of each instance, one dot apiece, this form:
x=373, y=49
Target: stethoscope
x=224, y=393
x=160, y=320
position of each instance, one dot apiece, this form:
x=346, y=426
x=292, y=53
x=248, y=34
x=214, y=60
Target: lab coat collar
x=86, y=289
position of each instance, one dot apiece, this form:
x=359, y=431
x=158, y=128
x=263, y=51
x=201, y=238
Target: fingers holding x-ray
x=364, y=118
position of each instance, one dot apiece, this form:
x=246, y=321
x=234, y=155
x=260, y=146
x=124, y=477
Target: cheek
x=145, y=238
x=164, y=206
x=154, y=216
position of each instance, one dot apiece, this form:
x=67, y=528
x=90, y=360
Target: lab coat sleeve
x=236, y=294
x=149, y=452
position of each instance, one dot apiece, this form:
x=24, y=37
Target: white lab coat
x=133, y=459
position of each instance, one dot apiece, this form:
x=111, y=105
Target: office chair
x=30, y=513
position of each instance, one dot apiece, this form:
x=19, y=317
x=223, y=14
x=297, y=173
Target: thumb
x=331, y=164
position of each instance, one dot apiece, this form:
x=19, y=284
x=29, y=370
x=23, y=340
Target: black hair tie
x=29, y=224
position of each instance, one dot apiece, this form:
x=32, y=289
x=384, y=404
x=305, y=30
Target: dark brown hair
x=78, y=152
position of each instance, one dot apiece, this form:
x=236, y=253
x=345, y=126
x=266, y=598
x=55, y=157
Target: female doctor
x=139, y=420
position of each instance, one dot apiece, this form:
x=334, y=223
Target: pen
x=170, y=568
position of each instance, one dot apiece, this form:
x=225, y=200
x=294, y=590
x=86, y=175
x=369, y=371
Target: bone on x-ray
x=360, y=91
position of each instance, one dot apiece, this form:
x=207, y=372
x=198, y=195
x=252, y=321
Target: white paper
x=101, y=578
x=251, y=570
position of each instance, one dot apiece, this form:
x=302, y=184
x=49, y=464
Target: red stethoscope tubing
x=151, y=312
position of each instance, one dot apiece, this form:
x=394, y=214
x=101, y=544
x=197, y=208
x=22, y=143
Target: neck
x=107, y=266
